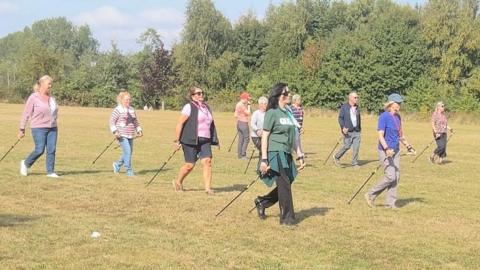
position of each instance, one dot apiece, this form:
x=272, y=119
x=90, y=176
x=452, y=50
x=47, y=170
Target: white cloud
x=103, y=16
x=109, y=23
x=164, y=15
x=7, y=7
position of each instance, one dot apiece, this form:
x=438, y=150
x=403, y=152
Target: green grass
x=46, y=224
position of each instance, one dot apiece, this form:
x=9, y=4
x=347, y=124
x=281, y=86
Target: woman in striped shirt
x=124, y=125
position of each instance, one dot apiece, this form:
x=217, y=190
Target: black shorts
x=194, y=152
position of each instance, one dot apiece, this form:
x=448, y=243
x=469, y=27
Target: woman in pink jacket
x=42, y=110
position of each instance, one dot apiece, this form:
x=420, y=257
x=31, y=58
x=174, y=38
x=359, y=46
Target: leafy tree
x=452, y=33
x=206, y=35
x=157, y=76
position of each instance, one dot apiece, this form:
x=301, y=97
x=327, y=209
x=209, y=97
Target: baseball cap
x=245, y=95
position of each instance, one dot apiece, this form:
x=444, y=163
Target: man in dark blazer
x=350, y=126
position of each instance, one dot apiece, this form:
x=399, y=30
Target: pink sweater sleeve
x=27, y=112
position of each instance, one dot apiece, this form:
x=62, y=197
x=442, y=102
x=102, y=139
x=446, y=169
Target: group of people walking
x=275, y=129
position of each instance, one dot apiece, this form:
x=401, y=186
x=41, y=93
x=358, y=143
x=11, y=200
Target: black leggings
x=282, y=194
x=441, y=141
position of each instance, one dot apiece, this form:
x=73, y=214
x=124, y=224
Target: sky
x=123, y=20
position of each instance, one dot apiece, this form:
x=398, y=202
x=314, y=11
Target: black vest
x=190, y=127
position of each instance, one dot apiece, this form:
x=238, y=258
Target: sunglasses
x=285, y=94
x=198, y=94
x=355, y=97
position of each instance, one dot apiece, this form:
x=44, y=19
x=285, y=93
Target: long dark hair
x=276, y=91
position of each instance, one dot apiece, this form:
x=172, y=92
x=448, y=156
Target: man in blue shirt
x=390, y=134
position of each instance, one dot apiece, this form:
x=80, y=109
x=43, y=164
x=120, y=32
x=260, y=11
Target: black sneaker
x=260, y=209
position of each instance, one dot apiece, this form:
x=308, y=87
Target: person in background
x=42, y=110
x=195, y=133
x=277, y=165
x=297, y=109
x=350, y=127
x=390, y=135
x=125, y=126
x=256, y=122
x=439, y=128
x=298, y=114
x=242, y=112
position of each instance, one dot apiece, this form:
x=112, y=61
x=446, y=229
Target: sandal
x=177, y=187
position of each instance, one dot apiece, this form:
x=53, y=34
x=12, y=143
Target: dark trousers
x=441, y=141
x=282, y=194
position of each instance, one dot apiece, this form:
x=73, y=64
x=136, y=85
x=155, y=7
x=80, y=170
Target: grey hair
x=263, y=100
x=295, y=98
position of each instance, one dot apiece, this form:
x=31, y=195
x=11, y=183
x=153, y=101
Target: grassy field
x=47, y=223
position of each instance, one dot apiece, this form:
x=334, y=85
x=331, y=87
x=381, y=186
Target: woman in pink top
x=439, y=128
x=42, y=110
x=242, y=112
x=195, y=133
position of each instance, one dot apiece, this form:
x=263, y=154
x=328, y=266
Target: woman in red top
x=439, y=128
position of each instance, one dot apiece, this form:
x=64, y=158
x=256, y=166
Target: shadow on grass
x=142, y=172
x=236, y=187
x=314, y=211
x=62, y=173
x=11, y=220
x=404, y=202
x=365, y=162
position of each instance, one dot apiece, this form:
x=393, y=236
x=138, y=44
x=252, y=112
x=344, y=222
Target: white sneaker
x=23, y=168
x=53, y=175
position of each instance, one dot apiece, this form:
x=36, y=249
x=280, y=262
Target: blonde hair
x=39, y=82
x=440, y=103
x=123, y=93
x=295, y=98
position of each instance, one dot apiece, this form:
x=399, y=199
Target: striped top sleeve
x=124, y=121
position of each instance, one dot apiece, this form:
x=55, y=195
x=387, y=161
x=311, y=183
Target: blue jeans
x=43, y=138
x=126, y=157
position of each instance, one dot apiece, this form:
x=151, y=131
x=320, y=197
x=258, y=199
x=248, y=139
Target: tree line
x=322, y=48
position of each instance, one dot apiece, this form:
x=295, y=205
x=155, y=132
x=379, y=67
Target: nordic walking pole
x=238, y=195
x=331, y=152
x=368, y=179
x=234, y=138
x=250, y=159
x=10, y=149
x=241, y=192
x=424, y=149
x=451, y=135
x=163, y=165
x=364, y=183
x=106, y=148
x=256, y=206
